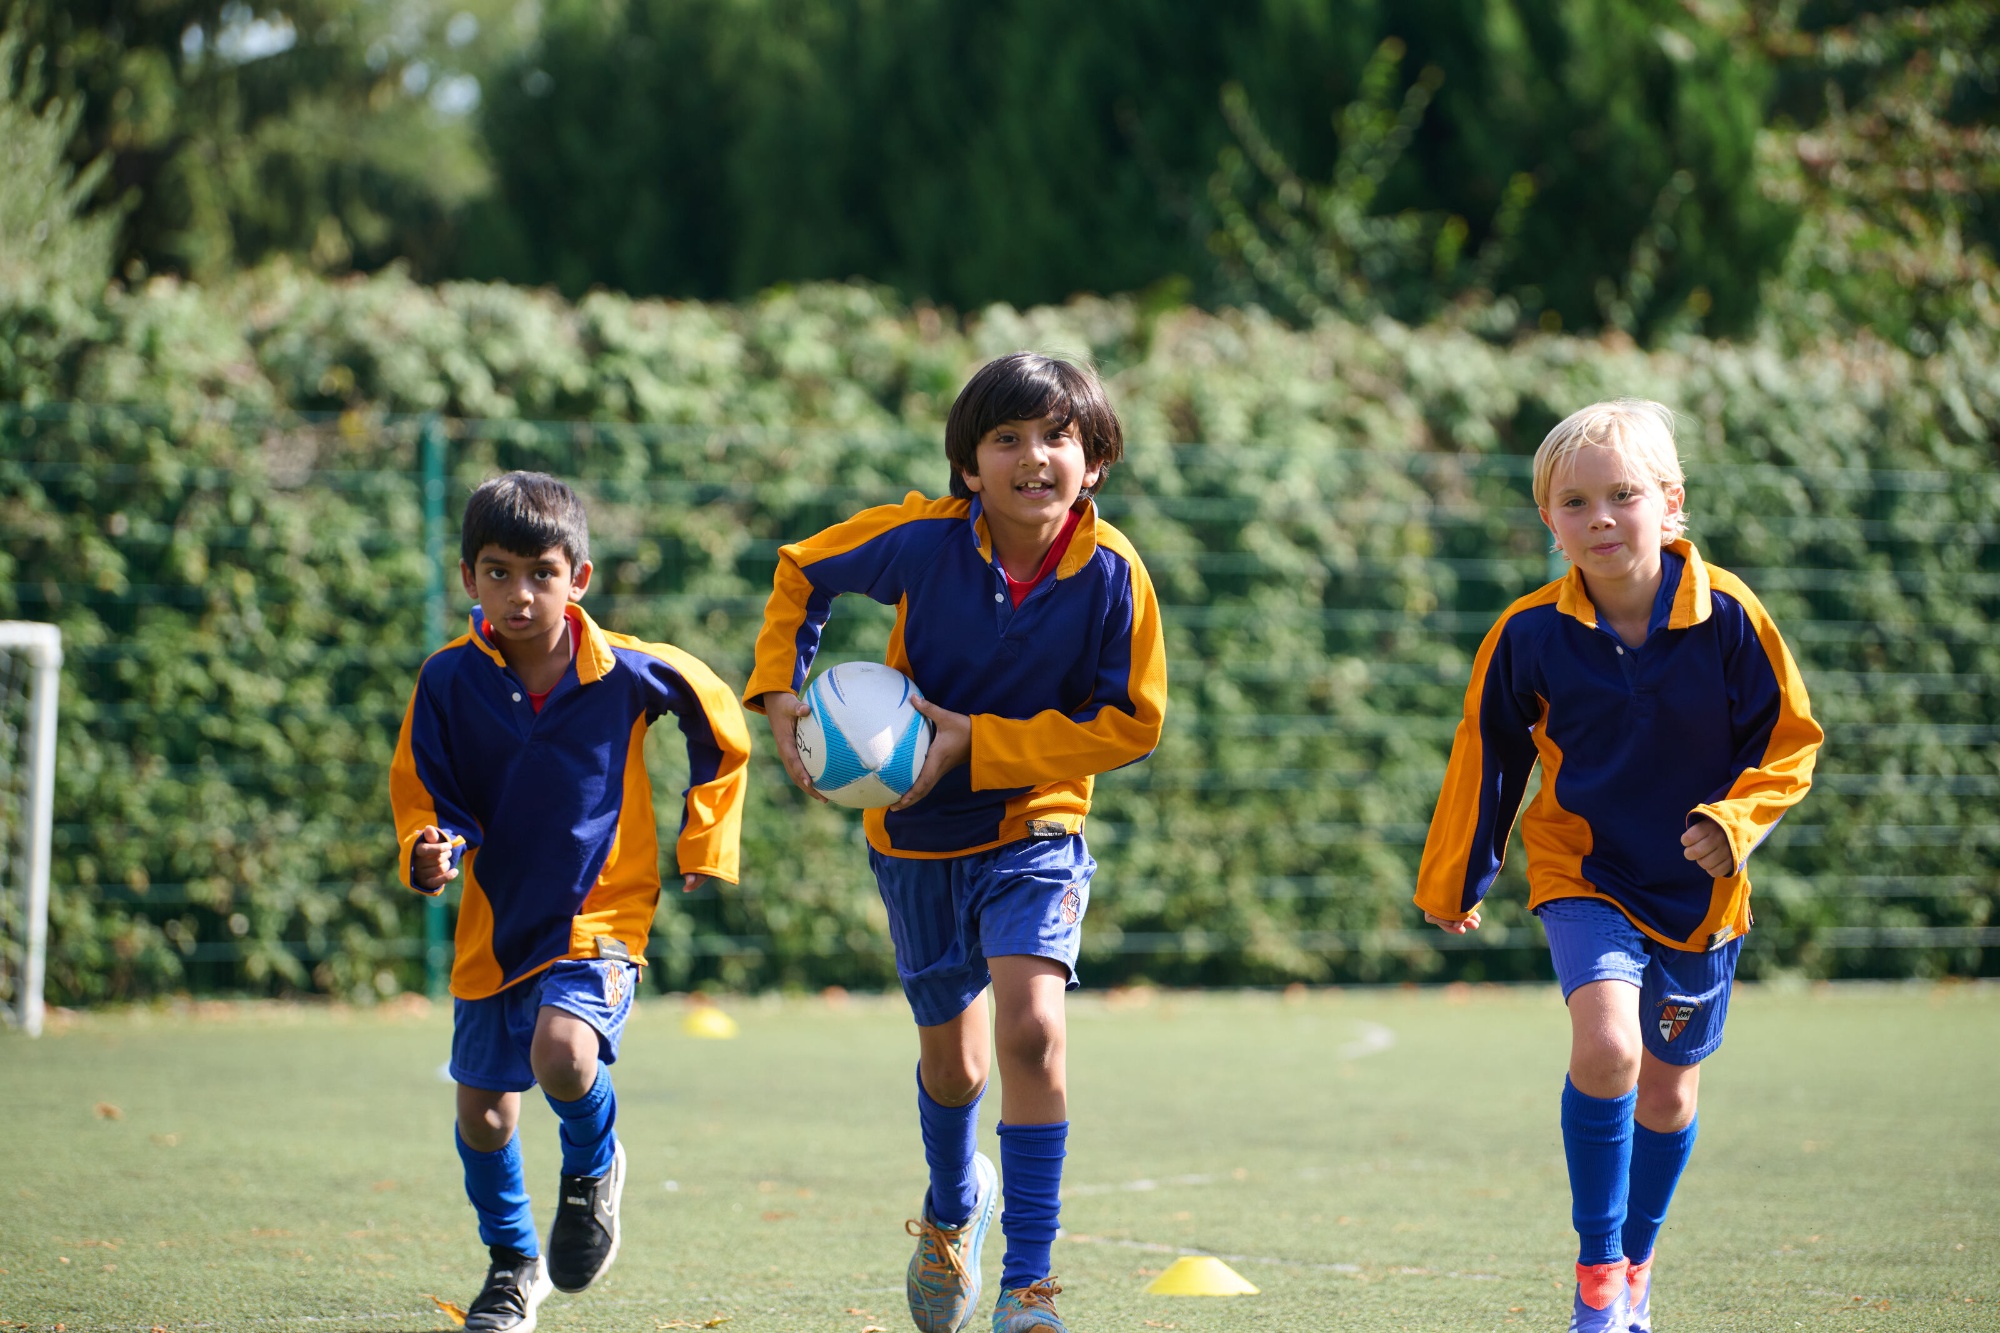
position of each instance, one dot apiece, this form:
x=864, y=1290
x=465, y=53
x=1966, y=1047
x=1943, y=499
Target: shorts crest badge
x=1675, y=1015
x=614, y=985
x=1072, y=906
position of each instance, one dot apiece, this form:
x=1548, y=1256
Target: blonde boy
x=1673, y=732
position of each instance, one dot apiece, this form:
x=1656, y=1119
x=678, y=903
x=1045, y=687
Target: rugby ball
x=864, y=742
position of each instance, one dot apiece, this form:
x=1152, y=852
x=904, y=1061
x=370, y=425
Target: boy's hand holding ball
x=951, y=745
x=783, y=709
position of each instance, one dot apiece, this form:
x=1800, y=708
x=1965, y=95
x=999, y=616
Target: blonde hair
x=1638, y=430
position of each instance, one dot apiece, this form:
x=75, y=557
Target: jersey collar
x=594, y=658
x=1082, y=542
x=1691, y=602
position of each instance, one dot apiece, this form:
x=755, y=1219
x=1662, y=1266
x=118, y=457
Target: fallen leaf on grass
x=101, y=1244
x=873, y=1328
x=106, y=1111
x=778, y=1216
x=383, y=1186
x=451, y=1309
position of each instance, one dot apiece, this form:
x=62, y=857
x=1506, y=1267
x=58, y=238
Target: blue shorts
x=947, y=917
x=1683, y=996
x=491, y=1038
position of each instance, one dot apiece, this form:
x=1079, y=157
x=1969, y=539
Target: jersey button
x=999, y=596
x=1621, y=653
x=517, y=698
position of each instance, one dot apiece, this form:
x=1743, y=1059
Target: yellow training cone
x=708, y=1022
x=1200, y=1275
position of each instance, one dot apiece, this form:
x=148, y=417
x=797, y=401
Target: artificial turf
x=1370, y=1159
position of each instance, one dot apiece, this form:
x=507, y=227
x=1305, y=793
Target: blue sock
x=950, y=1135
x=587, y=1140
x=1597, y=1140
x=1657, y=1163
x=499, y=1195
x=1031, y=1162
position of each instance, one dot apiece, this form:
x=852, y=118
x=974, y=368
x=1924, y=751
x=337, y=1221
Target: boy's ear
x=971, y=480
x=465, y=577
x=579, y=582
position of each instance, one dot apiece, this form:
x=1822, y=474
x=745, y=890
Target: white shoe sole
x=538, y=1291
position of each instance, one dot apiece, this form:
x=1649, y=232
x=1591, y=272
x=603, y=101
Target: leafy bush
x=230, y=535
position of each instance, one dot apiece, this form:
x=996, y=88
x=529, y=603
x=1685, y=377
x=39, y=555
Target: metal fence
x=248, y=600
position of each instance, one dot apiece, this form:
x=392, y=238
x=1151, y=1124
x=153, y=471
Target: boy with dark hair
x=1674, y=733
x=521, y=770
x=1032, y=630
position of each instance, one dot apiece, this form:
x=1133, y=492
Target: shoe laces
x=1040, y=1295
x=939, y=1247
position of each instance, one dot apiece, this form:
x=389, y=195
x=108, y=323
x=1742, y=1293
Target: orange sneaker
x=1602, y=1303
x=1639, y=1296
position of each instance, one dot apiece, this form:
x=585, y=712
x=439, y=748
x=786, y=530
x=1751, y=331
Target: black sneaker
x=515, y=1285
x=584, y=1239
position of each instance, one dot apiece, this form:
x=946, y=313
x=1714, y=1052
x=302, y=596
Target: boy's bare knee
x=486, y=1119
x=1604, y=1063
x=953, y=1082
x=1667, y=1095
x=1031, y=1040
x=564, y=1055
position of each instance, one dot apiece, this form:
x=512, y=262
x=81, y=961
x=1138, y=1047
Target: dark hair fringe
x=525, y=513
x=1023, y=386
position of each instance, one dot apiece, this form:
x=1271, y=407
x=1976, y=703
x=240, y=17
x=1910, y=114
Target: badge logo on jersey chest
x=1675, y=1015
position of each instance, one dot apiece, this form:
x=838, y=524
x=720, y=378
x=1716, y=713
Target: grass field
x=1370, y=1159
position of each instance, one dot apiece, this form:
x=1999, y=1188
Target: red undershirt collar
x=1018, y=589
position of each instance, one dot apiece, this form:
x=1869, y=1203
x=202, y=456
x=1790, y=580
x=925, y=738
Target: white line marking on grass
x=1155, y=1247
x=1374, y=1040
x=1144, y=1186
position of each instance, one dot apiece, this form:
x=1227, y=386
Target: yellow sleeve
x=1778, y=739
x=718, y=747
x=873, y=553
x=423, y=789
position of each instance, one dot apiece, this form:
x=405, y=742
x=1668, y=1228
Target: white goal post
x=26, y=820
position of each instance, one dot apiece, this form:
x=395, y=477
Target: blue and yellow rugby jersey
x=1708, y=717
x=1070, y=684
x=555, y=807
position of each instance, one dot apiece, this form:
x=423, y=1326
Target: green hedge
x=223, y=513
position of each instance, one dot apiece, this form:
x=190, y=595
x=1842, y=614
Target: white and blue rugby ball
x=864, y=742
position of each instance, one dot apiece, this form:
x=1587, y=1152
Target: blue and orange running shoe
x=1030, y=1309
x=943, y=1283
x=1602, y=1303
x=1639, y=1296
